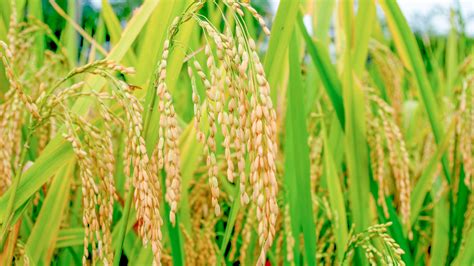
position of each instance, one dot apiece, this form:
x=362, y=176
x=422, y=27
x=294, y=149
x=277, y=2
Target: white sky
x=416, y=10
x=413, y=9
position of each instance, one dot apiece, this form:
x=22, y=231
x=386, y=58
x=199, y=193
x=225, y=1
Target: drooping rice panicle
x=168, y=151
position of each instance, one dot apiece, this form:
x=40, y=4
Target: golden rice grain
x=168, y=150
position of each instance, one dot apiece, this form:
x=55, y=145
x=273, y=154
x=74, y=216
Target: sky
x=415, y=9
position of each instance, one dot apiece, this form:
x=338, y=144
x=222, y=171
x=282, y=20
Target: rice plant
x=198, y=132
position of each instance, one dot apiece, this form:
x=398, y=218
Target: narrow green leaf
x=336, y=199
x=466, y=255
x=151, y=44
x=424, y=183
x=175, y=64
x=297, y=172
x=115, y=30
x=407, y=47
x=282, y=29
x=451, y=57
x=70, y=36
x=440, y=242
x=43, y=169
x=354, y=138
x=46, y=227
x=230, y=223
x=327, y=72
x=70, y=237
x=35, y=9
x=191, y=151
x=364, y=24
x=323, y=11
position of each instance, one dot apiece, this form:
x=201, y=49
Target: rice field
x=199, y=132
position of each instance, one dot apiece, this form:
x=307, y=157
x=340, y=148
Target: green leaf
x=327, y=72
x=440, y=242
x=424, y=183
x=46, y=227
x=336, y=198
x=230, y=223
x=282, y=29
x=70, y=237
x=39, y=173
x=408, y=49
x=466, y=255
x=297, y=172
x=364, y=23
x=151, y=42
x=115, y=31
x=354, y=138
x=175, y=64
x=35, y=9
x=70, y=36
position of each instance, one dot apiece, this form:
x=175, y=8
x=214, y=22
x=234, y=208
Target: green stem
x=123, y=227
